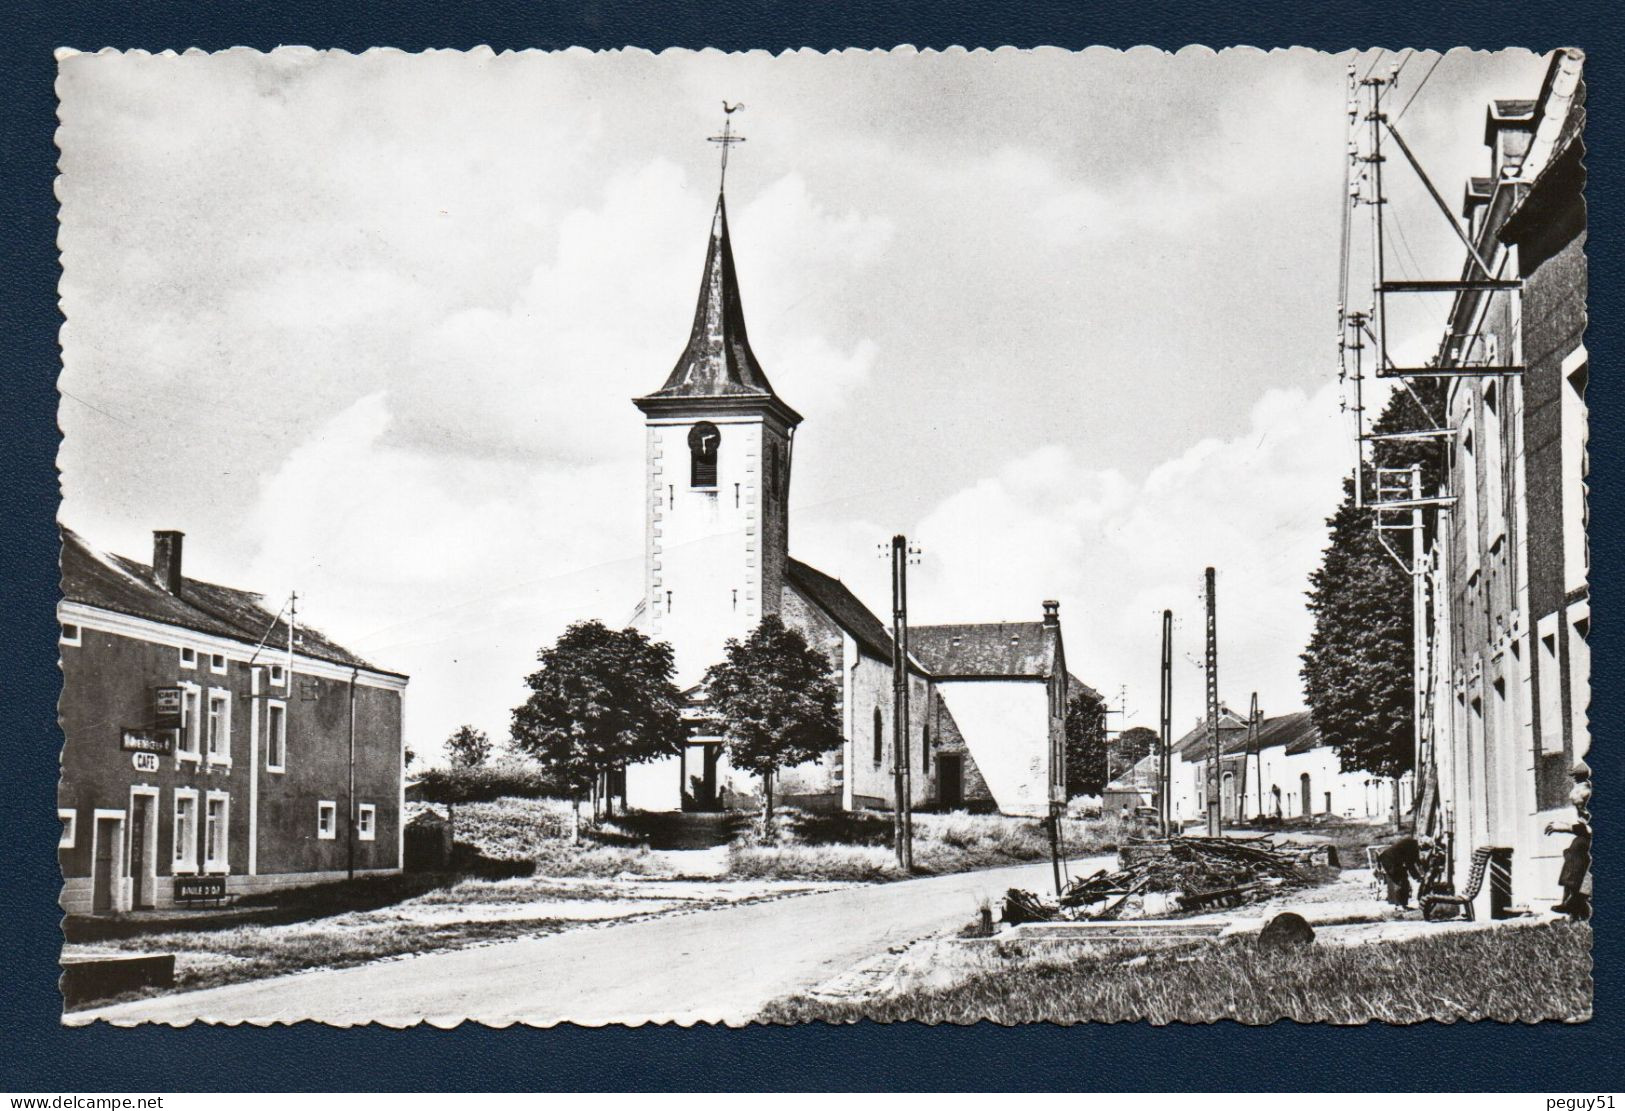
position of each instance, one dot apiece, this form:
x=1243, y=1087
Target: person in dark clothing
x=1400, y=863
x=1576, y=866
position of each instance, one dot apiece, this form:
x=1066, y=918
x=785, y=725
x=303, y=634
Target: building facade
x=203, y=749
x=1506, y=678
x=985, y=727
x=1286, y=771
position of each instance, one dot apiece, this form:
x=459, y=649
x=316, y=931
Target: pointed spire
x=718, y=361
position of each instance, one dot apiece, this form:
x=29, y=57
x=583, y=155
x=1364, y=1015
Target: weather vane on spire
x=727, y=138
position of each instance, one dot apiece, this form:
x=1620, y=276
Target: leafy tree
x=1085, y=745
x=468, y=747
x=1357, y=667
x=601, y=699
x=1132, y=746
x=409, y=756
x=777, y=705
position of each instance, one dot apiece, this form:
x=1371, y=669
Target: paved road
x=713, y=965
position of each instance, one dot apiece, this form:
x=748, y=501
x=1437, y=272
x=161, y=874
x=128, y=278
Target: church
x=987, y=701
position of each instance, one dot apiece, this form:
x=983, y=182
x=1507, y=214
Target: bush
x=487, y=783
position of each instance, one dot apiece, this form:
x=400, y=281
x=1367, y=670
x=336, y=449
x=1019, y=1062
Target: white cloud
x=451, y=569
x=1116, y=552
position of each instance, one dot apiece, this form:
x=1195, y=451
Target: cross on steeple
x=727, y=138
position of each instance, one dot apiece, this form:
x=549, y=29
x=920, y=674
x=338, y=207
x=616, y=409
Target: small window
x=216, y=826
x=218, y=742
x=367, y=822
x=879, y=738
x=188, y=657
x=70, y=828
x=279, y=676
x=189, y=742
x=185, y=834
x=327, y=820
x=703, y=441
x=276, y=737
x=69, y=634
x=217, y=663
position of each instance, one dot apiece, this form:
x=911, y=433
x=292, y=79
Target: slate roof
x=832, y=596
x=1143, y=776
x=1076, y=686
x=122, y=585
x=1008, y=649
x=1296, y=732
x=718, y=361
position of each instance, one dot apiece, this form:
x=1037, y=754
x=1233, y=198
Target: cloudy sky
x=367, y=327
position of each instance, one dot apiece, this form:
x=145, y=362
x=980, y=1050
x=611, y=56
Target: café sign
x=144, y=761
x=166, y=707
x=144, y=740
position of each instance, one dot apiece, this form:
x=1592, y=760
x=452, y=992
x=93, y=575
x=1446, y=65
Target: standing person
x=1577, y=854
x=1400, y=862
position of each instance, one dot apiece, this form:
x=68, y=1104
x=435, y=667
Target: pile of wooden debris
x=1200, y=873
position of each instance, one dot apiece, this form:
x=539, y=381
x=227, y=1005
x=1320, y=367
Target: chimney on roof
x=1052, y=612
x=166, y=559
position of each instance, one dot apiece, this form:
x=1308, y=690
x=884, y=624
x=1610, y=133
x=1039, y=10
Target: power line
x=1419, y=85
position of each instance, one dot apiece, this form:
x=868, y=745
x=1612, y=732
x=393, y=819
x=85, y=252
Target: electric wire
x=1419, y=85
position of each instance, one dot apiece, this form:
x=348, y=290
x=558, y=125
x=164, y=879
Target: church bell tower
x=717, y=478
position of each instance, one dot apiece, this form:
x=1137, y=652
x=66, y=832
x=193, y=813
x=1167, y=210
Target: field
x=1509, y=974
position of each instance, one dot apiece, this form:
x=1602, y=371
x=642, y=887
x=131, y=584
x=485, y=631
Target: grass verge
x=1509, y=974
x=856, y=846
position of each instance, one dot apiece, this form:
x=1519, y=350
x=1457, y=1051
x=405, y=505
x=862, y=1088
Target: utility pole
x=1252, y=750
x=902, y=782
x=1419, y=641
x=1165, y=762
x=354, y=672
x=1215, y=827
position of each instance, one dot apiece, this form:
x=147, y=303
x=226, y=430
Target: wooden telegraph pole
x=1215, y=826
x=1258, y=757
x=1252, y=751
x=902, y=781
x=1165, y=762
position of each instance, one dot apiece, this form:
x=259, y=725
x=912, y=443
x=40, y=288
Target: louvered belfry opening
x=703, y=441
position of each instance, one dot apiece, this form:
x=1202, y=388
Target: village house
x=988, y=702
x=1506, y=675
x=212, y=746
x=1287, y=771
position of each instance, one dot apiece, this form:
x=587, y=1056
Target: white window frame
x=214, y=865
x=1579, y=676
x=1548, y=656
x=278, y=675
x=276, y=741
x=1574, y=440
x=70, y=827
x=223, y=696
x=1467, y=496
x=1494, y=399
x=183, y=864
x=225, y=664
x=366, y=822
x=189, y=737
x=185, y=652
x=331, y=810
x=74, y=638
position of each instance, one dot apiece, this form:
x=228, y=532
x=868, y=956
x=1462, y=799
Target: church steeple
x=717, y=365
x=718, y=361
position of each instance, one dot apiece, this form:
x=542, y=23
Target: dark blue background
x=40, y=1056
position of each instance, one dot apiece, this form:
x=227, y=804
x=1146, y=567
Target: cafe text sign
x=146, y=740
x=166, y=707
